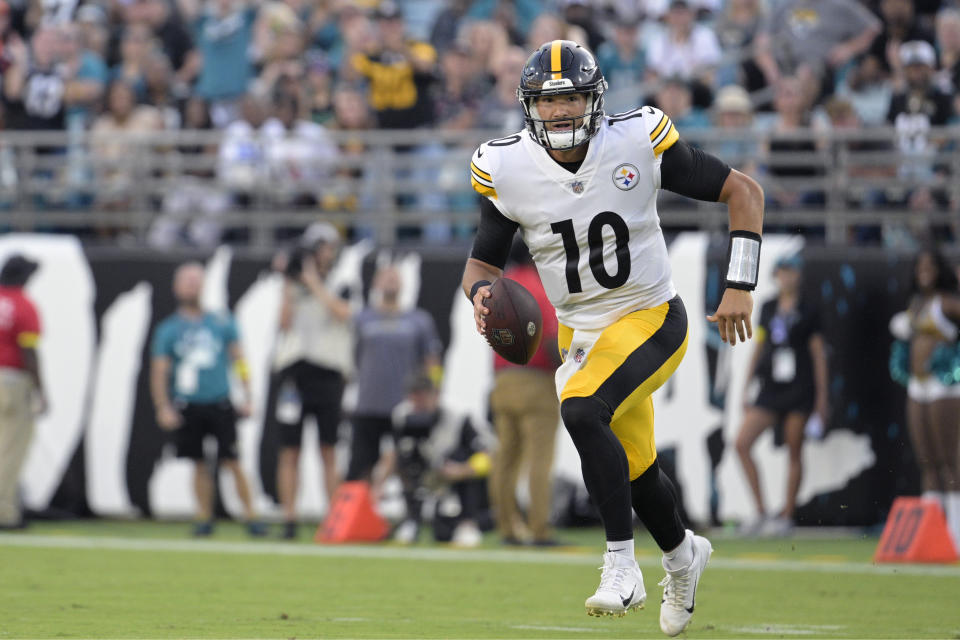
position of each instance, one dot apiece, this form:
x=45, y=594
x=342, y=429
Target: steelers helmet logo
x=625, y=176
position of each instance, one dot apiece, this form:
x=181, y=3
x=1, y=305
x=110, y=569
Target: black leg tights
x=604, y=463
x=655, y=501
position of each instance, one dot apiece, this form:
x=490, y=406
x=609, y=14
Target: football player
x=581, y=187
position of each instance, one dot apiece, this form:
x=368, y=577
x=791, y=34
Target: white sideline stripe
x=446, y=555
x=535, y=627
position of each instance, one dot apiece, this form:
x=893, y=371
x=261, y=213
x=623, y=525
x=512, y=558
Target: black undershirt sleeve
x=494, y=236
x=692, y=173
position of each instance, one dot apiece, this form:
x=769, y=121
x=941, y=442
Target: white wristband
x=743, y=260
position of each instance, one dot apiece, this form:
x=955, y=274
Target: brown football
x=514, y=324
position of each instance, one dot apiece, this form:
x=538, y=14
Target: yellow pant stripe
x=612, y=348
x=632, y=420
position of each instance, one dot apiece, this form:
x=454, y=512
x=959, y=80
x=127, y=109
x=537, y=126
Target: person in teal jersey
x=190, y=384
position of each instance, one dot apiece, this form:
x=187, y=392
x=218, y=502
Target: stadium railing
x=390, y=185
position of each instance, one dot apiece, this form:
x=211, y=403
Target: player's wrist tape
x=743, y=260
x=476, y=286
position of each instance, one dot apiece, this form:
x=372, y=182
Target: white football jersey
x=595, y=234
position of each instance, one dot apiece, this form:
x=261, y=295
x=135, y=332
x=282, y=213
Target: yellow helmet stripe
x=555, y=59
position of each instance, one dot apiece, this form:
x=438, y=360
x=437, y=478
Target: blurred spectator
x=115, y=147
x=459, y=92
x=318, y=87
x=446, y=25
x=94, y=34
x=444, y=456
x=919, y=106
x=545, y=27
x=393, y=345
x=299, y=153
x=192, y=354
x=675, y=98
x=736, y=30
x=224, y=37
x=86, y=76
x=790, y=364
x=21, y=386
x=858, y=159
x=899, y=25
x=924, y=359
x=657, y=10
x=868, y=89
x=733, y=113
x=313, y=359
x=193, y=208
x=948, y=45
x=813, y=37
x=686, y=49
x=358, y=37
x=401, y=73
x=524, y=12
x=581, y=13
x=168, y=28
x=499, y=110
x=135, y=47
x=351, y=189
x=279, y=41
x=622, y=62
x=526, y=414
x=242, y=163
x=158, y=90
x=486, y=41
x=34, y=84
x=794, y=136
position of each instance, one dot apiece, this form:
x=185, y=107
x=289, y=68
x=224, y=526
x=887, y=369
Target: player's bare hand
x=169, y=418
x=733, y=316
x=480, y=310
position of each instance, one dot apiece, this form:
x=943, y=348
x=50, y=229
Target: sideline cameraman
x=314, y=356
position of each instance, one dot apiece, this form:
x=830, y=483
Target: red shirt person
x=526, y=415
x=21, y=390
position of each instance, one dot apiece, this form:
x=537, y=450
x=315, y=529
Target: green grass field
x=150, y=580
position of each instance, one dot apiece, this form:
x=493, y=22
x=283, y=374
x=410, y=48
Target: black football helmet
x=555, y=68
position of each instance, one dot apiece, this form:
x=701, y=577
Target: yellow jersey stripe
x=28, y=340
x=481, y=179
x=555, y=59
x=659, y=128
x=481, y=172
x=483, y=189
x=667, y=141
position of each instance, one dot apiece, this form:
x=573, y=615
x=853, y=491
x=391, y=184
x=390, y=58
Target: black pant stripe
x=647, y=358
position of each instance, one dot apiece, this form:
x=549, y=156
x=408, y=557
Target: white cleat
x=621, y=588
x=680, y=589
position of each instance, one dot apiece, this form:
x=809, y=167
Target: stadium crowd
x=275, y=77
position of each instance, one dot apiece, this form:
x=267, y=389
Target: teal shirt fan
x=199, y=350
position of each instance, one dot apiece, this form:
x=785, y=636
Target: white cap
x=320, y=232
x=918, y=52
x=733, y=98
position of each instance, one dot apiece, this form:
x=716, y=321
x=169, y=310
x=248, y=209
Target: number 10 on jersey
x=595, y=245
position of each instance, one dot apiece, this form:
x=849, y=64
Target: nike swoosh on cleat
x=626, y=601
